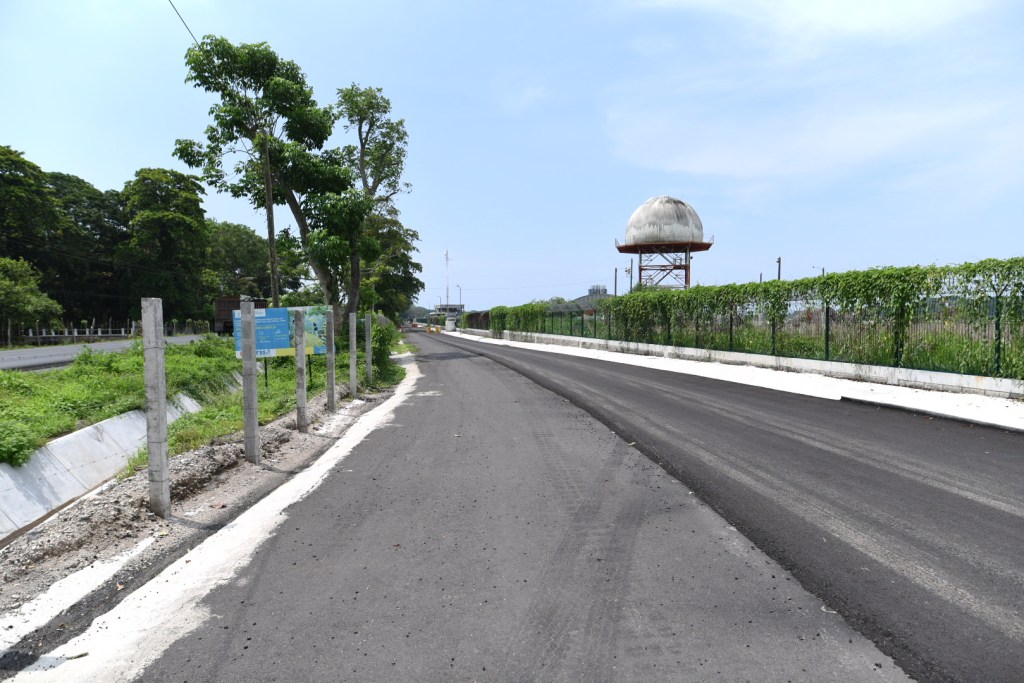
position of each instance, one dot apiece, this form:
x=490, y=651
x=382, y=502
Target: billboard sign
x=275, y=335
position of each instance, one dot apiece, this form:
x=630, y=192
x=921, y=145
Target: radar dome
x=662, y=220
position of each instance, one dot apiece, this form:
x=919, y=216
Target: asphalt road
x=42, y=357
x=492, y=530
x=912, y=527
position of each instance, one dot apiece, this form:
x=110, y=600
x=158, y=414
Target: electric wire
x=183, y=23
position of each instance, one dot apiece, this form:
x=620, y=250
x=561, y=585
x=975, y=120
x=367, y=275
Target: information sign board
x=275, y=330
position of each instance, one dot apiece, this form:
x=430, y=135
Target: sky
x=835, y=134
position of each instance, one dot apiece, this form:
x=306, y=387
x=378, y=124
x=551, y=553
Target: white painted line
x=121, y=643
x=986, y=410
x=60, y=596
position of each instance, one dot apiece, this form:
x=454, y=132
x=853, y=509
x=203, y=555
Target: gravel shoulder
x=210, y=486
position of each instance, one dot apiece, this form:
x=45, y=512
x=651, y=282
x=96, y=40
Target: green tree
x=391, y=282
x=87, y=279
x=292, y=264
x=264, y=101
x=28, y=214
x=237, y=260
x=337, y=236
x=167, y=243
x=378, y=157
x=21, y=301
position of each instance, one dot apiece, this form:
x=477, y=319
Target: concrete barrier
x=74, y=464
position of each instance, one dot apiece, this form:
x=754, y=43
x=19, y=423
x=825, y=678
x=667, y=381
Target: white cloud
x=824, y=19
x=807, y=142
x=912, y=98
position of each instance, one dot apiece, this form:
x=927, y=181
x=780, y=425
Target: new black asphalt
x=496, y=531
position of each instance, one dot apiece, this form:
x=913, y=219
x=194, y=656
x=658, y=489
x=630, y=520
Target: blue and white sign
x=275, y=330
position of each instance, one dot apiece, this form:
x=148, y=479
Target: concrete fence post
x=332, y=401
x=156, y=406
x=301, y=414
x=369, y=348
x=352, y=351
x=250, y=386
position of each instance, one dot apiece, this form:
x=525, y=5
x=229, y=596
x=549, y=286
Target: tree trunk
x=323, y=275
x=268, y=190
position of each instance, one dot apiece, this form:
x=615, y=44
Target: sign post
x=296, y=331
x=332, y=401
x=353, y=385
x=301, y=416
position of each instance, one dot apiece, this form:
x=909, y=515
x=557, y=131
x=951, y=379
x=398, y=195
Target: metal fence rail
x=945, y=334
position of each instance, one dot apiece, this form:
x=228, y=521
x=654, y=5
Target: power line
x=183, y=23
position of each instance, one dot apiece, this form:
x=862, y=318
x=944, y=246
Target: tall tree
x=21, y=301
x=264, y=100
x=167, y=242
x=291, y=256
x=237, y=260
x=88, y=280
x=338, y=238
x=378, y=158
x=28, y=214
x=390, y=283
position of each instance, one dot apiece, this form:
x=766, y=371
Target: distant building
x=449, y=311
x=595, y=294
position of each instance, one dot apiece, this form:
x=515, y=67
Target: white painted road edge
x=121, y=643
x=62, y=595
x=985, y=410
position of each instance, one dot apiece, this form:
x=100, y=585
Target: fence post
x=301, y=415
x=731, y=316
x=250, y=384
x=999, y=337
x=368, y=330
x=828, y=330
x=352, y=351
x=332, y=401
x=156, y=406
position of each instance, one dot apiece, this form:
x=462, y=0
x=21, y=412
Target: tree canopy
x=97, y=252
x=264, y=101
x=21, y=301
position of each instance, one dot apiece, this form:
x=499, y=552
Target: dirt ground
x=210, y=486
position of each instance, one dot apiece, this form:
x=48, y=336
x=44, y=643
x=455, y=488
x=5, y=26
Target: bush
x=384, y=336
x=17, y=442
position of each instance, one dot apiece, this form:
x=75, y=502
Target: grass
x=37, y=407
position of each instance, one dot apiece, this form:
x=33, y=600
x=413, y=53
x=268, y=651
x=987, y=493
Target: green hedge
x=966, y=318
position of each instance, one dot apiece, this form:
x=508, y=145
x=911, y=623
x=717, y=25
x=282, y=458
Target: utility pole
x=779, y=261
x=446, y=259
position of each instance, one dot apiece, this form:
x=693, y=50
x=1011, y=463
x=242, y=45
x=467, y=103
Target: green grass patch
x=37, y=407
x=221, y=414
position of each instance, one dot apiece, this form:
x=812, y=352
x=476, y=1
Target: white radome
x=664, y=219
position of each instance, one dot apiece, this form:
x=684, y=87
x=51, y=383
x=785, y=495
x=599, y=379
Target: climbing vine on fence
x=960, y=318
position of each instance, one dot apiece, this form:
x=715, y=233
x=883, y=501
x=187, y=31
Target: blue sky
x=842, y=134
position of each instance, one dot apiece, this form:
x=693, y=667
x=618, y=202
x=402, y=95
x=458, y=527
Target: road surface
x=42, y=357
x=910, y=526
x=487, y=529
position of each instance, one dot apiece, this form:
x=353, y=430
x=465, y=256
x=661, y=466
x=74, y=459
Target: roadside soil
x=210, y=486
